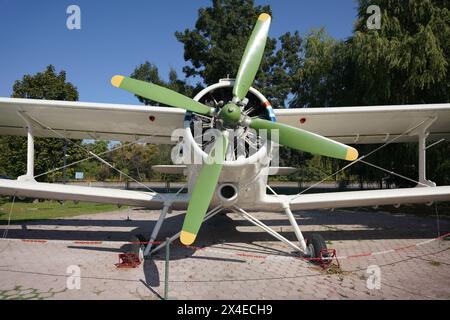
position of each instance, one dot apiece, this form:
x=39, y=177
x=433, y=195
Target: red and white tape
x=240, y=254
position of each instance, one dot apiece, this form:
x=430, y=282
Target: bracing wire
x=93, y=154
x=360, y=159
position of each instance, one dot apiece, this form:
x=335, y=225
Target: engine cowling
x=247, y=161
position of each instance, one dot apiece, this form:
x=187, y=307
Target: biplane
x=226, y=140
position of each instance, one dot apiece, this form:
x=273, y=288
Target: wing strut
x=423, y=135
x=29, y=176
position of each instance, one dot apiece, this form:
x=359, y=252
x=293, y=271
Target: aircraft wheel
x=316, y=243
x=138, y=244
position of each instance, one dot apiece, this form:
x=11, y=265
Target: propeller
x=252, y=57
x=160, y=94
x=204, y=190
x=230, y=116
x=303, y=140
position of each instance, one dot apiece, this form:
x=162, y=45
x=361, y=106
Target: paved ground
x=238, y=260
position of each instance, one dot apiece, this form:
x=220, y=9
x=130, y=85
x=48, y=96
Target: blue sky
x=116, y=36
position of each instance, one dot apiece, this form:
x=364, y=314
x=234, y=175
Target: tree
x=215, y=46
x=136, y=160
x=48, y=151
x=45, y=85
x=405, y=62
x=149, y=72
x=320, y=73
x=94, y=169
x=214, y=50
x=438, y=163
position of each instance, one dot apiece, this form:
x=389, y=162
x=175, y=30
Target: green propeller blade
x=306, y=141
x=204, y=190
x=252, y=57
x=160, y=94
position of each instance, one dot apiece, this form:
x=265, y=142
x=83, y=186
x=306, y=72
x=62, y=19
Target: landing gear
x=137, y=246
x=318, y=248
x=133, y=253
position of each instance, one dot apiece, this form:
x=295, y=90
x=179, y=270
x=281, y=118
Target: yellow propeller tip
x=116, y=81
x=187, y=238
x=264, y=17
x=352, y=154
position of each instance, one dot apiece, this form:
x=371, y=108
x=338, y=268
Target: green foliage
x=93, y=169
x=319, y=74
x=48, y=151
x=215, y=46
x=404, y=62
x=407, y=60
x=438, y=163
x=292, y=158
x=149, y=72
x=13, y=156
x=49, y=154
x=45, y=85
x=136, y=160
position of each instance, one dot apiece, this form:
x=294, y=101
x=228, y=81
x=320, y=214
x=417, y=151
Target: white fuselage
x=248, y=178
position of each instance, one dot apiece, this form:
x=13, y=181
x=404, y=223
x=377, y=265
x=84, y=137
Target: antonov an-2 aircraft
x=236, y=160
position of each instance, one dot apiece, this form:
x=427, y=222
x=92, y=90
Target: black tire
x=315, y=244
x=137, y=245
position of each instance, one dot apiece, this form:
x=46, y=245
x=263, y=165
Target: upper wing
x=84, y=120
x=375, y=124
x=55, y=191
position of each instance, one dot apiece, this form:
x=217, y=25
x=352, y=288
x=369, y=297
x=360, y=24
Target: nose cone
x=230, y=114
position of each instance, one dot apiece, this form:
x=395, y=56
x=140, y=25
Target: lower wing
x=269, y=202
x=358, y=198
x=56, y=191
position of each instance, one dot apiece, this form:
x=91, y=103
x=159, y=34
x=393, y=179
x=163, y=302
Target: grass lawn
x=24, y=211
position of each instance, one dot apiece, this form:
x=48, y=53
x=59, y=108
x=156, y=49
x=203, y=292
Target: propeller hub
x=230, y=114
